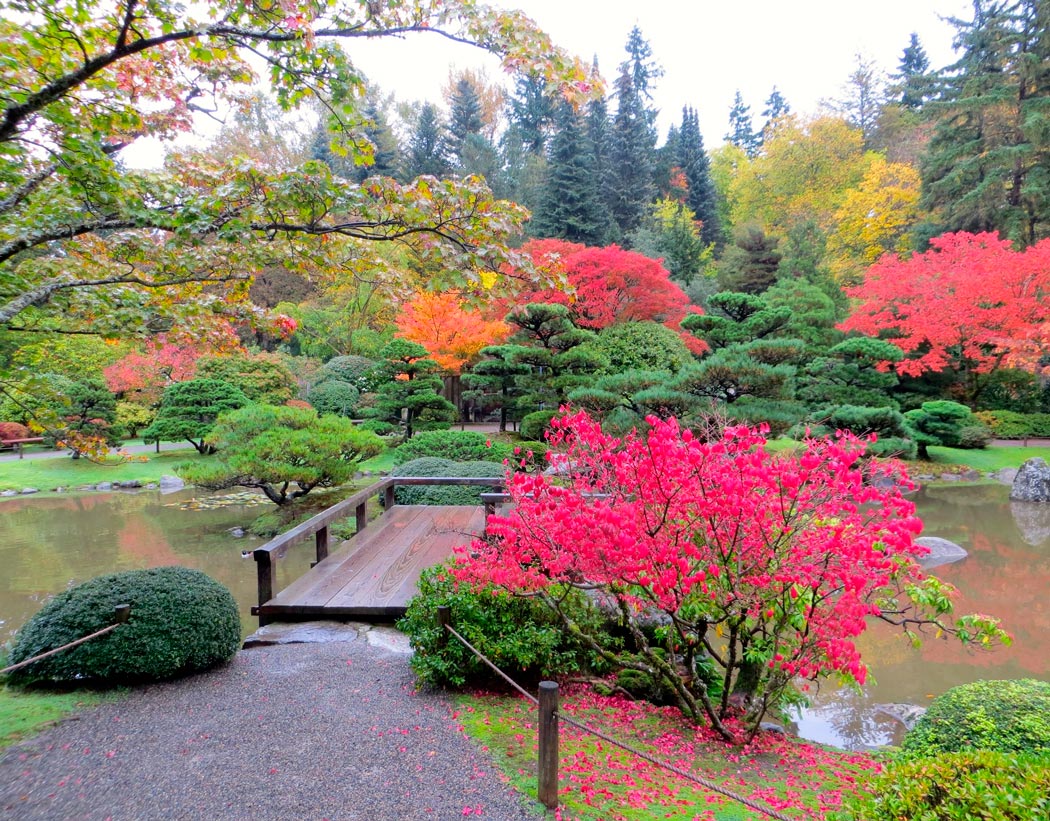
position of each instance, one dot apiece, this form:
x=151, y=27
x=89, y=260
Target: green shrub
x=359, y=371
x=519, y=635
x=444, y=495
x=334, y=396
x=974, y=437
x=977, y=785
x=459, y=446
x=1006, y=424
x=1005, y=716
x=182, y=621
x=379, y=427
x=534, y=425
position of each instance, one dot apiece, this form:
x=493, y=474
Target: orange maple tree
x=451, y=334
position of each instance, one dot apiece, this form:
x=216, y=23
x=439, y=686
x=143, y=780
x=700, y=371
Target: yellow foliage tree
x=451, y=334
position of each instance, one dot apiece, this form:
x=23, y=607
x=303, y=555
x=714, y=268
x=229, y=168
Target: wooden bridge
x=372, y=575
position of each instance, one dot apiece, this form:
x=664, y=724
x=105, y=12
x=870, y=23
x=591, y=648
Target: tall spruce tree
x=741, y=129
x=986, y=167
x=472, y=153
x=629, y=183
x=570, y=208
x=599, y=137
x=531, y=113
x=913, y=82
x=428, y=150
x=701, y=198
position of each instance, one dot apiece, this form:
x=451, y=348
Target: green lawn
x=64, y=471
x=23, y=712
x=991, y=458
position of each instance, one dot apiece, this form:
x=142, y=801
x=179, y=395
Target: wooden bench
x=19, y=444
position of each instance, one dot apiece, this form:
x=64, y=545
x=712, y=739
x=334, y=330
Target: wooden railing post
x=389, y=499
x=321, y=543
x=548, y=752
x=264, y=568
x=361, y=513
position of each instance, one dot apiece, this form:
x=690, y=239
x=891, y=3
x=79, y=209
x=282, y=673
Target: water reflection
x=48, y=544
x=1006, y=574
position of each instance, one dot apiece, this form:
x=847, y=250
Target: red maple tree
x=146, y=373
x=970, y=304
x=451, y=334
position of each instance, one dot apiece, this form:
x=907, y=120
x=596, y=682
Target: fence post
x=321, y=544
x=444, y=620
x=548, y=732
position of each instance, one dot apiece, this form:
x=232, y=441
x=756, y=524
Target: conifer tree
x=570, y=208
x=374, y=128
x=701, y=198
x=472, y=153
x=776, y=107
x=913, y=81
x=531, y=113
x=428, y=150
x=629, y=184
x=741, y=130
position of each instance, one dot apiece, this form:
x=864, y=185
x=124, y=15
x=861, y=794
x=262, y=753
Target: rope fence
x=548, y=737
x=120, y=613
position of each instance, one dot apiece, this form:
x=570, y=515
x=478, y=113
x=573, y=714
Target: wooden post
x=264, y=568
x=22, y=450
x=389, y=500
x=548, y=732
x=121, y=613
x=321, y=543
x=444, y=621
x=158, y=444
x=362, y=516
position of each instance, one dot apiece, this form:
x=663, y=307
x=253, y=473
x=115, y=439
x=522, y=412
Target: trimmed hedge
x=1004, y=716
x=457, y=445
x=448, y=494
x=1006, y=424
x=978, y=785
x=182, y=621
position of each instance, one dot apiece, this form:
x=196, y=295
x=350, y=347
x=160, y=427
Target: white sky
x=707, y=48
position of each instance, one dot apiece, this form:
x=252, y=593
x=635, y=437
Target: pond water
x=49, y=543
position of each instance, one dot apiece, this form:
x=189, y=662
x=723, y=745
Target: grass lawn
x=64, y=471
x=599, y=782
x=23, y=712
x=383, y=463
x=990, y=458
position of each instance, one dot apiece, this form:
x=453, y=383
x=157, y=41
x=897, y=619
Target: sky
x=708, y=49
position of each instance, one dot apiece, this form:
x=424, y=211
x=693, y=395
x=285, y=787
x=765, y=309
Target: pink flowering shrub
x=763, y=567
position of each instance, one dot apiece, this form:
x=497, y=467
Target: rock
x=171, y=483
x=771, y=727
x=1033, y=522
x=151, y=486
x=86, y=487
x=970, y=476
x=130, y=483
x=949, y=477
x=236, y=532
x=27, y=490
x=60, y=489
x=307, y=632
x=906, y=714
x=1005, y=476
x=9, y=493
x=104, y=486
x=1032, y=483
x=387, y=638
x=941, y=552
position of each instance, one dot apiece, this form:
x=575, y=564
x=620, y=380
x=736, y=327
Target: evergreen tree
x=741, y=130
x=751, y=263
x=531, y=111
x=776, y=107
x=494, y=379
x=599, y=138
x=629, y=184
x=701, y=198
x=913, y=81
x=375, y=129
x=667, y=174
x=472, y=152
x=411, y=393
x=570, y=208
x=428, y=150
x=644, y=71
x=986, y=164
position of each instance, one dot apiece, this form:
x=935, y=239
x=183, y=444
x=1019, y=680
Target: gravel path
x=284, y=732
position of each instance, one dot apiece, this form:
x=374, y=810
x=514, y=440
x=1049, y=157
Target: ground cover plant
x=758, y=571
x=25, y=712
x=599, y=782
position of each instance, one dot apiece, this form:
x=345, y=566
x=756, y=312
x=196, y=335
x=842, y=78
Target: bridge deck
x=375, y=574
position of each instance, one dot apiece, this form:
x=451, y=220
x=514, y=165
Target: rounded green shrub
x=974, y=437
x=534, y=425
x=359, y=371
x=1005, y=716
x=457, y=445
x=1006, y=424
x=334, y=396
x=182, y=621
x=448, y=494
x=521, y=636
x=977, y=785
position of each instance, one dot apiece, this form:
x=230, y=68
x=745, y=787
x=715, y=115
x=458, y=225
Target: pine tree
x=629, y=184
x=428, y=151
x=776, y=107
x=570, y=208
x=741, y=130
x=532, y=113
x=913, y=81
x=465, y=123
x=644, y=71
x=986, y=166
x=599, y=138
x=702, y=198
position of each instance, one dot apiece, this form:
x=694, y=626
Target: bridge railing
x=267, y=555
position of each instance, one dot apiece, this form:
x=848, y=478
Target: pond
x=49, y=543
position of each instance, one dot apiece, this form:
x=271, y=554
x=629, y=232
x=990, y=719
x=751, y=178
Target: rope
x=27, y=662
x=703, y=782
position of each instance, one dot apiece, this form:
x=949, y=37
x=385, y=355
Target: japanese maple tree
x=146, y=373
x=608, y=285
x=759, y=569
x=452, y=334
x=970, y=305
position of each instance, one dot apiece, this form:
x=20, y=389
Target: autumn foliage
x=608, y=285
x=969, y=304
x=762, y=568
x=148, y=372
x=452, y=335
